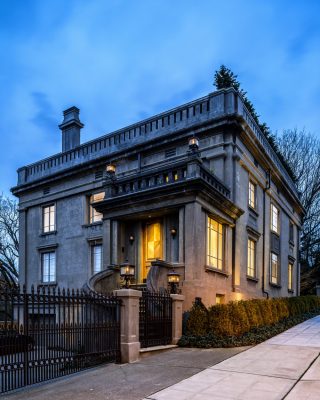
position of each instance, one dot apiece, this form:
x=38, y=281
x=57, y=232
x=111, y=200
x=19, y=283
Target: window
x=219, y=298
x=48, y=218
x=215, y=244
x=290, y=276
x=153, y=241
x=252, y=195
x=274, y=275
x=95, y=216
x=96, y=258
x=251, y=262
x=274, y=218
x=291, y=232
x=48, y=266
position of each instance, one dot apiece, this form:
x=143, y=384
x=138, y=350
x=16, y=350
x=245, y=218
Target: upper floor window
x=290, y=276
x=274, y=268
x=95, y=216
x=252, y=195
x=274, y=219
x=215, y=244
x=48, y=267
x=48, y=218
x=251, y=261
x=291, y=232
x=96, y=257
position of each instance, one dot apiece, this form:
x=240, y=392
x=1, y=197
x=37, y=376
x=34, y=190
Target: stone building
x=197, y=189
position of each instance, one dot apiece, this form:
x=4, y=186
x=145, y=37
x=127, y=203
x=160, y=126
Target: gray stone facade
x=164, y=204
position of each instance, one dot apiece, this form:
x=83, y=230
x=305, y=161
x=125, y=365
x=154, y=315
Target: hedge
x=238, y=317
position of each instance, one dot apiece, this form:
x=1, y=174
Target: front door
x=152, y=249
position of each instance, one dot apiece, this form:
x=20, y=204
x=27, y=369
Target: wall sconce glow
x=111, y=169
x=131, y=239
x=173, y=231
x=127, y=271
x=173, y=281
x=193, y=143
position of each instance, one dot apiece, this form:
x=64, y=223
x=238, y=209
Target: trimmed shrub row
x=238, y=317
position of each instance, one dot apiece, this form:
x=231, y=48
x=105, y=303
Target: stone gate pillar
x=177, y=301
x=129, y=324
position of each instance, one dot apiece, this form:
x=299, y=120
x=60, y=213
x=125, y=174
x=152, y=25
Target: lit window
x=48, y=266
x=290, y=276
x=94, y=215
x=252, y=195
x=48, y=218
x=215, y=244
x=274, y=219
x=251, y=264
x=175, y=176
x=274, y=269
x=219, y=298
x=154, y=248
x=96, y=254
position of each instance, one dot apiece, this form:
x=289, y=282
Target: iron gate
x=155, y=319
x=49, y=333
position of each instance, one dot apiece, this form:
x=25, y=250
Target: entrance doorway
x=152, y=246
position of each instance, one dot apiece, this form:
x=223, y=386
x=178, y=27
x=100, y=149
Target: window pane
x=252, y=194
x=274, y=268
x=274, y=218
x=290, y=276
x=48, y=261
x=215, y=244
x=95, y=216
x=48, y=218
x=97, y=258
x=251, y=268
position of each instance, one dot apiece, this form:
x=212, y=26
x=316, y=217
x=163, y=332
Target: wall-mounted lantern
x=173, y=281
x=127, y=271
x=173, y=231
x=111, y=169
x=131, y=239
x=193, y=143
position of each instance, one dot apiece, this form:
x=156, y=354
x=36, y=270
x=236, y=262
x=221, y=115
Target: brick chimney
x=70, y=129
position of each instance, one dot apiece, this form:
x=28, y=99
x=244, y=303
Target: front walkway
x=284, y=367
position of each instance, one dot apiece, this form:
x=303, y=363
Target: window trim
x=277, y=232
x=209, y=266
x=43, y=252
x=252, y=207
x=277, y=283
x=254, y=276
x=50, y=231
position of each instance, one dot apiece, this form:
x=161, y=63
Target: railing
x=166, y=176
x=155, y=319
x=49, y=333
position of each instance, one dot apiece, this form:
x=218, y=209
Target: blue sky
x=121, y=61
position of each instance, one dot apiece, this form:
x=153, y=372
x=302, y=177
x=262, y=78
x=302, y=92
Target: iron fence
x=155, y=319
x=49, y=332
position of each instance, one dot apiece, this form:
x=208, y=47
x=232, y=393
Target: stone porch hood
x=165, y=188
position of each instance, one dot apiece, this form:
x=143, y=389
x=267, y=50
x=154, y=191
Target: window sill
x=42, y=234
x=252, y=278
x=48, y=284
x=275, y=285
x=291, y=242
x=290, y=291
x=275, y=233
x=216, y=270
x=253, y=210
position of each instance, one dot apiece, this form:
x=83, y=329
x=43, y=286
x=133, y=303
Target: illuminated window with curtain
x=48, y=267
x=154, y=250
x=252, y=195
x=290, y=276
x=215, y=244
x=48, y=218
x=274, y=267
x=96, y=258
x=95, y=216
x=251, y=261
x=274, y=219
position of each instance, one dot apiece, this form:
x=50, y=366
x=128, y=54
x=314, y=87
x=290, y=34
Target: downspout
x=264, y=292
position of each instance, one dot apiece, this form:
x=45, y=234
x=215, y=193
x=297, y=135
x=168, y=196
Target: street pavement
x=284, y=367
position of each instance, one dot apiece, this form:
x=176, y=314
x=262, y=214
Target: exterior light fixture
x=193, y=143
x=127, y=272
x=173, y=281
x=131, y=239
x=173, y=231
x=111, y=169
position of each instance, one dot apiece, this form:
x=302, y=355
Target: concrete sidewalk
x=127, y=381
x=284, y=367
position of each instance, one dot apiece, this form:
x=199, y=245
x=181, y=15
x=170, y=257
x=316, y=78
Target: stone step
x=147, y=351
